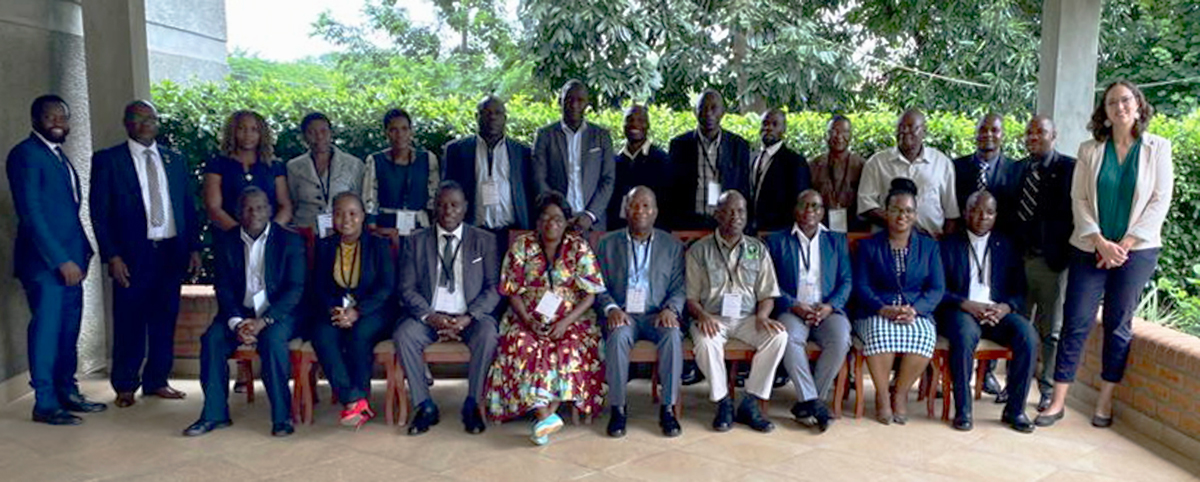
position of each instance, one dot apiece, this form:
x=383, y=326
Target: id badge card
x=490, y=192
x=260, y=302
x=713, y=193
x=443, y=301
x=324, y=225
x=731, y=305
x=348, y=302
x=406, y=222
x=548, y=305
x=839, y=220
x=635, y=301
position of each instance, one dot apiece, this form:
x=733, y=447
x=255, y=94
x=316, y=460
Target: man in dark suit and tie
x=495, y=172
x=50, y=258
x=985, y=293
x=448, y=279
x=643, y=270
x=575, y=157
x=707, y=162
x=987, y=168
x=260, y=271
x=813, y=267
x=146, y=225
x=778, y=175
x=639, y=163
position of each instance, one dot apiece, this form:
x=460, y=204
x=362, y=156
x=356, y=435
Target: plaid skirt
x=881, y=335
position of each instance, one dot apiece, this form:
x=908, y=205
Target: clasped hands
x=248, y=330
x=448, y=327
x=812, y=314
x=987, y=314
x=903, y=314
x=343, y=317
x=1112, y=255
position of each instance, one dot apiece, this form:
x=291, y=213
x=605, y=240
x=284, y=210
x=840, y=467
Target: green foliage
x=1169, y=303
x=1151, y=41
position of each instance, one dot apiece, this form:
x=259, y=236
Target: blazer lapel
x=469, y=252
x=829, y=262
x=431, y=254
x=128, y=177
x=620, y=279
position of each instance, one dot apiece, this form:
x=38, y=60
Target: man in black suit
x=643, y=270
x=1044, y=222
x=778, y=175
x=448, y=279
x=639, y=163
x=50, y=258
x=707, y=162
x=575, y=157
x=260, y=271
x=146, y=225
x=495, y=172
x=987, y=168
x=985, y=293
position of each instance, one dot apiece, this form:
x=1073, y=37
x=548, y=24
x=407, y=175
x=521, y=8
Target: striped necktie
x=1029, y=192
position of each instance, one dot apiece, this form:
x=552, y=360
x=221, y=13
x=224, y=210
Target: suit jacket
x=119, y=213
x=376, y=282
x=836, y=280
x=1001, y=183
x=652, y=170
x=666, y=272
x=1151, y=198
x=480, y=272
x=598, y=174
x=875, y=281
x=775, y=198
x=459, y=166
x=733, y=166
x=1007, y=271
x=49, y=232
x=1054, y=210
x=284, y=275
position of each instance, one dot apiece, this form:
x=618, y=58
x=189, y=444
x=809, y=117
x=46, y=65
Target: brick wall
x=1162, y=381
x=197, y=307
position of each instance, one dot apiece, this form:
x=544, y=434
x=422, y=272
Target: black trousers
x=144, y=316
x=347, y=354
x=219, y=343
x=964, y=332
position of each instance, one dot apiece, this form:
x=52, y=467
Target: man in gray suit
x=575, y=157
x=448, y=278
x=644, y=273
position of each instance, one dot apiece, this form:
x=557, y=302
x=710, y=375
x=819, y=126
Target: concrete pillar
x=1067, y=75
x=117, y=63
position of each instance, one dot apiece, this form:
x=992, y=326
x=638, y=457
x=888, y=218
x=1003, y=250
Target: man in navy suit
x=495, y=172
x=260, y=279
x=985, y=293
x=777, y=176
x=643, y=270
x=813, y=266
x=707, y=161
x=146, y=226
x=448, y=279
x=50, y=258
x=575, y=157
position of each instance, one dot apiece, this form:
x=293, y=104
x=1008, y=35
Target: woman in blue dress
x=247, y=158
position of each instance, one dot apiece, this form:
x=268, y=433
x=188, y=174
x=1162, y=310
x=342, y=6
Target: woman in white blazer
x=1120, y=196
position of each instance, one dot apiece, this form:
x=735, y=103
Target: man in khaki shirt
x=731, y=288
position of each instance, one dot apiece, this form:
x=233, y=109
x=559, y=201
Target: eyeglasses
x=895, y=211
x=811, y=206
x=1126, y=100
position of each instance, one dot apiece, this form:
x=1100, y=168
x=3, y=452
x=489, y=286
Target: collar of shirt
x=773, y=148
x=634, y=242
x=49, y=144
x=1046, y=160
x=799, y=233
x=979, y=242
x=457, y=233
x=570, y=133
x=713, y=146
x=924, y=158
x=978, y=156
x=644, y=151
x=501, y=144
x=725, y=244
x=249, y=241
x=137, y=150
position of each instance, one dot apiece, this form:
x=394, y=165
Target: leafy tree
x=1151, y=42
x=383, y=17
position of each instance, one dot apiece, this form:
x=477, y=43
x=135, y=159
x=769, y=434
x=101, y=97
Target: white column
x=117, y=63
x=1067, y=75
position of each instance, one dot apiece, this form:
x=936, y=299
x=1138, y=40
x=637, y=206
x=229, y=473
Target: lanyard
x=707, y=160
x=548, y=270
x=806, y=251
x=981, y=265
x=639, y=266
x=448, y=264
x=733, y=277
x=324, y=185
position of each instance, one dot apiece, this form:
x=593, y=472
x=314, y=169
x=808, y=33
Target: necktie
x=448, y=262
x=1029, y=192
x=759, y=168
x=983, y=176
x=157, y=216
x=70, y=171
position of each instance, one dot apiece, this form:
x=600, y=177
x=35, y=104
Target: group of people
x=489, y=245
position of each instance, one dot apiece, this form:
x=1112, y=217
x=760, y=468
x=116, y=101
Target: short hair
x=974, y=198
x=901, y=186
x=249, y=191
x=41, y=103
x=351, y=195
x=1102, y=132
x=552, y=198
x=569, y=86
x=450, y=185
x=266, y=139
x=707, y=92
x=394, y=114
x=313, y=117
x=837, y=118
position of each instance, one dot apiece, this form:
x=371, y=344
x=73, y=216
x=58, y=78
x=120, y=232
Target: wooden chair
x=987, y=350
x=304, y=366
x=927, y=390
x=442, y=352
x=246, y=355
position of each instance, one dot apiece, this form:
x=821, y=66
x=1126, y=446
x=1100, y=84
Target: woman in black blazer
x=354, y=278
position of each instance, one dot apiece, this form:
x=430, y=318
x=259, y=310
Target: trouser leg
x=795, y=357
x=132, y=311
x=160, y=327
x=411, y=338
x=1019, y=335
x=1045, y=309
x=276, y=369
x=616, y=351
x=1122, y=291
x=482, y=337
x=710, y=359
x=47, y=299
x=1085, y=287
x=669, y=344
x=770, y=348
x=833, y=336
x=359, y=351
x=327, y=343
x=962, y=331
x=216, y=345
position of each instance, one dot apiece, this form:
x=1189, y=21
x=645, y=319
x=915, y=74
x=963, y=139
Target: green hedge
x=192, y=119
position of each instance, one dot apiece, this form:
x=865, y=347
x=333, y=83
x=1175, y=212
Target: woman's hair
x=266, y=140
x=395, y=113
x=901, y=186
x=552, y=198
x=351, y=195
x=1100, y=126
x=313, y=117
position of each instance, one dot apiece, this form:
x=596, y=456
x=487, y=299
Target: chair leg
x=930, y=390
x=389, y=399
x=246, y=373
x=654, y=384
x=947, y=387
x=839, y=388
x=402, y=394
x=980, y=373
x=860, y=401
x=300, y=389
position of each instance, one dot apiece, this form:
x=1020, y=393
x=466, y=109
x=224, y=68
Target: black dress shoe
x=616, y=422
x=282, y=429
x=823, y=417
x=56, y=417
x=803, y=413
x=667, y=422
x=1045, y=420
x=1044, y=402
x=781, y=378
x=1101, y=422
x=426, y=416
x=1020, y=423
x=724, y=419
x=1002, y=397
x=747, y=413
x=77, y=403
x=963, y=422
x=202, y=427
x=691, y=374
x=991, y=386
x=473, y=423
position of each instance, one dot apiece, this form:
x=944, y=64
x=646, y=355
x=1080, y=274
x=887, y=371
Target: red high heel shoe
x=358, y=414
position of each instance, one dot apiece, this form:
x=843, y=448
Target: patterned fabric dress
x=532, y=370
x=881, y=335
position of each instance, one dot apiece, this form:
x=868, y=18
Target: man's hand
x=617, y=318
x=119, y=271
x=819, y=313
x=345, y=317
x=71, y=274
x=708, y=325
x=195, y=264
x=249, y=329
x=581, y=222
x=997, y=312
x=453, y=328
x=768, y=325
x=439, y=321
x=976, y=309
x=667, y=319
x=802, y=310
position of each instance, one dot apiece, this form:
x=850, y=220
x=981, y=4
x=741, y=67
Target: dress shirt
x=55, y=149
x=138, y=152
x=457, y=304
x=708, y=155
x=762, y=163
x=933, y=174
x=255, y=252
x=808, y=281
x=312, y=193
x=639, y=266
x=575, y=167
x=715, y=267
x=644, y=151
x=501, y=215
x=981, y=283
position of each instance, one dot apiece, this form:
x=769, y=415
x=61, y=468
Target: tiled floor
x=143, y=444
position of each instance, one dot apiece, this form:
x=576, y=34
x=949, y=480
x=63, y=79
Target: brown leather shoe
x=125, y=399
x=167, y=393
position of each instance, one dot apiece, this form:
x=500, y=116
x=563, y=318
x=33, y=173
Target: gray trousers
x=670, y=357
x=833, y=335
x=1044, y=306
x=414, y=335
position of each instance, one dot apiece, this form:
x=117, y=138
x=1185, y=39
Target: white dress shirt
x=138, y=152
x=443, y=301
x=638, y=272
x=502, y=214
x=981, y=278
x=808, y=281
x=933, y=174
x=575, y=168
x=255, y=251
